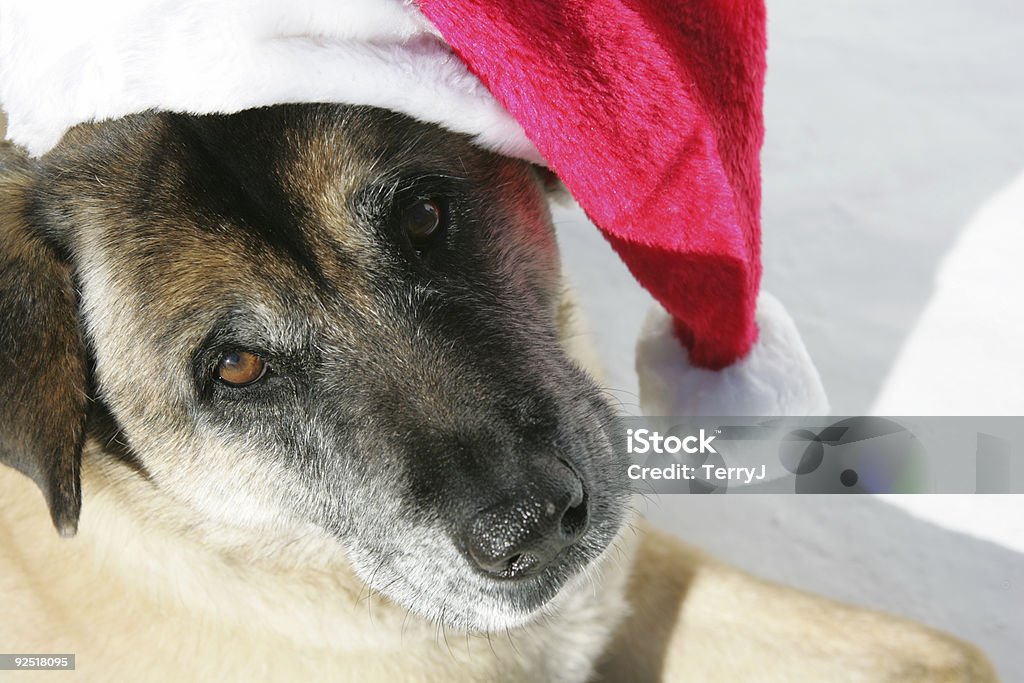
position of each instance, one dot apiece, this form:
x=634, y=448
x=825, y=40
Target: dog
x=301, y=388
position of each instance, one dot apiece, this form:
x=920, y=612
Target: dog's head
x=311, y=315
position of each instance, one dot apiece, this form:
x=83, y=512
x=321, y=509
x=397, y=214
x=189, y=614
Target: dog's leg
x=696, y=620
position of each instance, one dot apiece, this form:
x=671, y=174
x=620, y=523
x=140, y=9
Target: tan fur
x=193, y=613
x=697, y=620
x=197, y=614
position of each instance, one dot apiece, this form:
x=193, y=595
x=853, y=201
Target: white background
x=892, y=128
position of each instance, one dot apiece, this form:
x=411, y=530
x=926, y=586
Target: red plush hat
x=648, y=110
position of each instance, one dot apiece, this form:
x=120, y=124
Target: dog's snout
x=522, y=534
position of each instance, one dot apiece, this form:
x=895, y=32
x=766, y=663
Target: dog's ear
x=43, y=366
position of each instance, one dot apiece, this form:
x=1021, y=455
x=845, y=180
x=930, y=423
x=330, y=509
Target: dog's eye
x=422, y=220
x=239, y=368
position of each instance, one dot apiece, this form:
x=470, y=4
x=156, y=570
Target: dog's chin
x=484, y=605
x=449, y=592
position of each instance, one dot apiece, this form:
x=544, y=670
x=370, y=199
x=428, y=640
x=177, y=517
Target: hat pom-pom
x=776, y=378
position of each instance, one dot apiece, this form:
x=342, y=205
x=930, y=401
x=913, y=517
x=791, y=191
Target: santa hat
x=648, y=110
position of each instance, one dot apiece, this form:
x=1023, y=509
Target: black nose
x=524, y=533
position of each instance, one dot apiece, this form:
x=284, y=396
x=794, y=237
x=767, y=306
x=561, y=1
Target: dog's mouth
x=527, y=567
x=529, y=588
x=573, y=525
